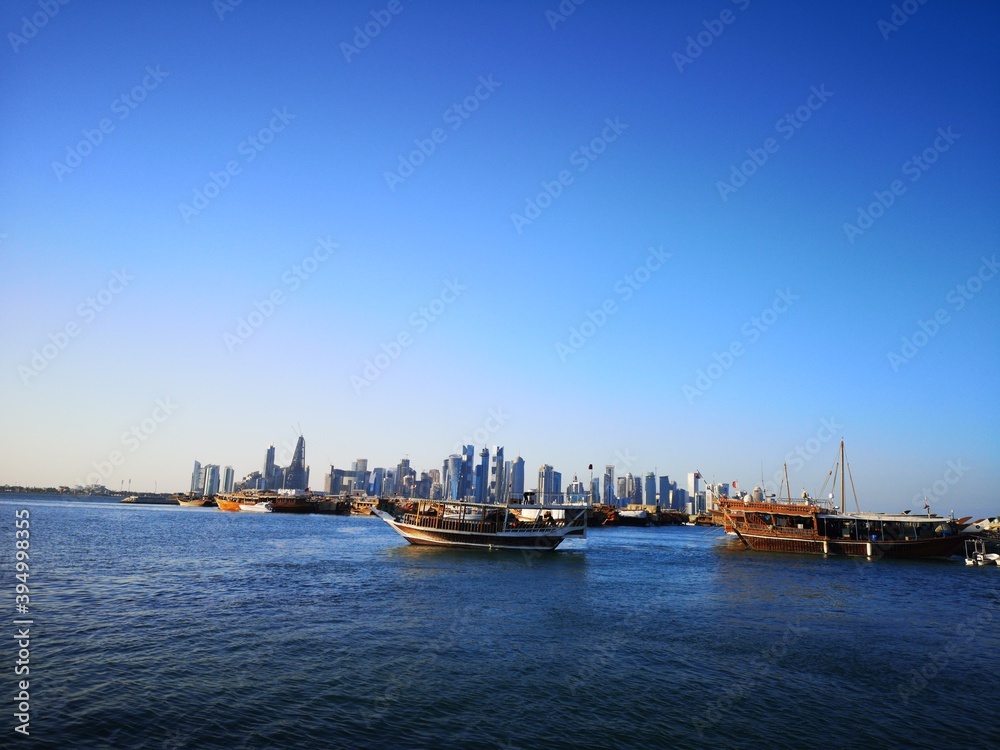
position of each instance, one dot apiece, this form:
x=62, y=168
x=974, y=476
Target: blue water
x=170, y=627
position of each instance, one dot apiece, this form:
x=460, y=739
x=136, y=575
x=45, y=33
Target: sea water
x=176, y=627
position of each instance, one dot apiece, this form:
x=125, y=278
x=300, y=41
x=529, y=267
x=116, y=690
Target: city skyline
x=695, y=236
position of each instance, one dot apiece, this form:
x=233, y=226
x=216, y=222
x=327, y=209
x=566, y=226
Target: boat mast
x=843, y=480
x=788, y=487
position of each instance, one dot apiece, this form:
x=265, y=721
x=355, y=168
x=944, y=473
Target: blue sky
x=819, y=111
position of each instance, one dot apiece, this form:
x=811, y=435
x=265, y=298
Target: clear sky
x=657, y=235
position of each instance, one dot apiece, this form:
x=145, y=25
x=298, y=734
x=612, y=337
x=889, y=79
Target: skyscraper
x=649, y=488
x=297, y=473
x=575, y=491
x=361, y=474
x=665, y=492
x=228, y=479
x=403, y=474
x=195, y=478
x=517, y=479
x=694, y=481
x=482, y=476
x=498, y=482
x=269, y=468
x=378, y=476
x=549, y=482
x=453, y=477
x=211, y=472
x=467, y=482
x=609, y=484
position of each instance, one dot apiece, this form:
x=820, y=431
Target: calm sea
x=170, y=627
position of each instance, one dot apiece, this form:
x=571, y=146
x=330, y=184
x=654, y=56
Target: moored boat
x=503, y=525
x=281, y=501
x=260, y=507
x=192, y=501
x=784, y=526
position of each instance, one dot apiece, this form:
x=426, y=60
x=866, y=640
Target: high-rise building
x=549, y=484
x=664, y=501
x=228, y=479
x=297, y=473
x=211, y=472
x=575, y=491
x=196, y=478
x=517, y=479
x=467, y=481
x=609, y=484
x=252, y=481
x=404, y=483
x=359, y=467
x=694, y=483
x=453, y=477
x=269, y=469
x=483, y=476
x=422, y=487
x=649, y=488
x=498, y=482
x=377, y=478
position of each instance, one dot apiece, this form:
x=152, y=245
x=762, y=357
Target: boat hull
x=910, y=549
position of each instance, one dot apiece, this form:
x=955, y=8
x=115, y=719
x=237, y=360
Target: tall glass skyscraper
x=609, y=484
x=269, y=468
x=297, y=473
x=517, y=479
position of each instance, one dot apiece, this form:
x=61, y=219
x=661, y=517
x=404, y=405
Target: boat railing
x=774, y=507
x=783, y=530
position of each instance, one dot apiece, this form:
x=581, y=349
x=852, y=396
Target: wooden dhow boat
x=281, y=501
x=809, y=526
x=503, y=525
